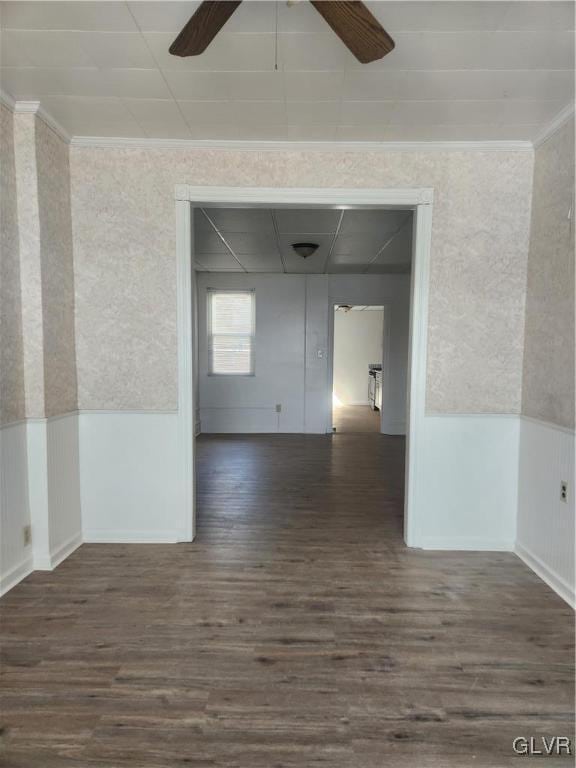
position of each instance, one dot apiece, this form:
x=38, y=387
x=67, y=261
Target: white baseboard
x=465, y=544
x=131, y=537
x=66, y=549
x=554, y=580
x=15, y=575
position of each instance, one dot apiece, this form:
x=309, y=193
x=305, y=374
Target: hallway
x=297, y=631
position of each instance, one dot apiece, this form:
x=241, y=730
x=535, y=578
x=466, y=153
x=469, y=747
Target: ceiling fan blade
x=203, y=27
x=357, y=28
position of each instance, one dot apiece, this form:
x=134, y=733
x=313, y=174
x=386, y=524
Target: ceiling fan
x=351, y=21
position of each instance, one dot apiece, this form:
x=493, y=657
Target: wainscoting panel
x=65, y=520
x=545, y=522
x=466, y=483
x=15, y=556
x=129, y=477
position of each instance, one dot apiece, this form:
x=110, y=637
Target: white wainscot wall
x=16, y=559
x=467, y=483
x=546, y=531
x=130, y=477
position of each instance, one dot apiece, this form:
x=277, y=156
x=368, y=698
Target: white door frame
x=418, y=199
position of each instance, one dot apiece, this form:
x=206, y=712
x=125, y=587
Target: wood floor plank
x=297, y=631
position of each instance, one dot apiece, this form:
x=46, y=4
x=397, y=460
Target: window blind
x=231, y=332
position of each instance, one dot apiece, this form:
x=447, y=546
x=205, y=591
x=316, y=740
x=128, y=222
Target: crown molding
x=104, y=142
x=36, y=108
x=6, y=100
x=561, y=119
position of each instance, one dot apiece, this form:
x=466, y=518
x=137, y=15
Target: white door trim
x=418, y=199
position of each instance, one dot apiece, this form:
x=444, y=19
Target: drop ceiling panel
x=255, y=220
x=217, y=262
x=158, y=118
x=251, y=243
x=207, y=241
x=271, y=262
x=306, y=221
x=376, y=222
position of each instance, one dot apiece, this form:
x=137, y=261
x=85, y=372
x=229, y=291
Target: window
x=231, y=333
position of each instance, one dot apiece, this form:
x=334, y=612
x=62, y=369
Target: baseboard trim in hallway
x=552, y=579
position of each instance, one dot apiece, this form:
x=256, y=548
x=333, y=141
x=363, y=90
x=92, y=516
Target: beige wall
x=125, y=272
x=548, y=381
x=38, y=376
x=60, y=390
x=12, y=396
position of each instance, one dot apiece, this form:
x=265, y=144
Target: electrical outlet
x=278, y=407
x=27, y=535
x=563, y=490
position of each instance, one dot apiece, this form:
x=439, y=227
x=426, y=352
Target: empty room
x=287, y=386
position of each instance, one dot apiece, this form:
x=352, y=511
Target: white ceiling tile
x=242, y=220
x=399, y=249
x=260, y=112
x=367, y=112
x=135, y=83
x=253, y=243
x=112, y=16
x=477, y=50
x=207, y=112
x=253, y=18
x=207, y=241
x=256, y=86
x=300, y=18
x=217, y=262
x=537, y=16
x=297, y=223
x=473, y=112
x=313, y=112
x=313, y=52
x=206, y=86
x=313, y=85
x=226, y=53
x=159, y=118
x=269, y=263
x=30, y=82
x=163, y=16
x=357, y=248
x=92, y=116
x=108, y=49
x=50, y=49
x=373, y=222
x=437, y=16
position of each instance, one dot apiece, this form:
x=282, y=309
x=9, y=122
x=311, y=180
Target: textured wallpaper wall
x=125, y=272
x=38, y=354
x=12, y=397
x=548, y=382
x=60, y=390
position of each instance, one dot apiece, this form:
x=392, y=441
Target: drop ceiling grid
x=513, y=60
x=360, y=224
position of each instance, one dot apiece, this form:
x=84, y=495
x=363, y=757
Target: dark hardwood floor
x=297, y=631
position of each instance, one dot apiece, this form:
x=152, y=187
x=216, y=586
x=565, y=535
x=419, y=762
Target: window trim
x=209, y=335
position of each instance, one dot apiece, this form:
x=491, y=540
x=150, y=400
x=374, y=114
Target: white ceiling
x=461, y=70
x=260, y=240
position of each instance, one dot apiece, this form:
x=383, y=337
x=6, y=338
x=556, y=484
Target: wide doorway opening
x=268, y=281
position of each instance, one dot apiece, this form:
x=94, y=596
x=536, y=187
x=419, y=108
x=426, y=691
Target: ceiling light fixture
x=305, y=249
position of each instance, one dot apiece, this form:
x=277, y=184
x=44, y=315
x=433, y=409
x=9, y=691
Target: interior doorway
x=414, y=207
x=357, y=360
